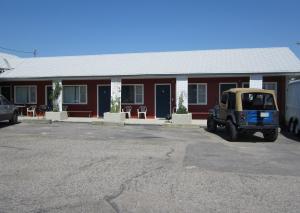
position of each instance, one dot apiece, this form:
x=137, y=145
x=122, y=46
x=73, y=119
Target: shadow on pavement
x=290, y=136
x=249, y=138
x=6, y=124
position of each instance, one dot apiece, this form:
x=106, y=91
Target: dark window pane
x=192, y=93
x=5, y=91
x=224, y=87
x=128, y=94
x=258, y=101
x=246, y=85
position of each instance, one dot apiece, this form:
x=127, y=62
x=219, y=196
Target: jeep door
x=223, y=106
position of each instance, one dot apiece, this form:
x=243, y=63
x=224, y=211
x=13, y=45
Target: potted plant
x=181, y=116
x=115, y=114
x=55, y=114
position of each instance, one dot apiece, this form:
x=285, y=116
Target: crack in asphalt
x=109, y=198
x=168, y=154
x=83, y=168
x=13, y=147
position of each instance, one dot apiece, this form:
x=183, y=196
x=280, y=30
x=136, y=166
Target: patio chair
x=31, y=109
x=41, y=110
x=142, y=110
x=127, y=110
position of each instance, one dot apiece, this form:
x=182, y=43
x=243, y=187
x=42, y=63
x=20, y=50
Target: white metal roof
x=204, y=62
x=5, y=60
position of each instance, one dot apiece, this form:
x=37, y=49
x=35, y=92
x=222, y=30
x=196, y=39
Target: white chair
x=127, y=110
x=31, y=109
x=142, y=110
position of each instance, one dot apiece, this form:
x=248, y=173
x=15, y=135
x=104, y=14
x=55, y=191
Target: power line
x=34, y=52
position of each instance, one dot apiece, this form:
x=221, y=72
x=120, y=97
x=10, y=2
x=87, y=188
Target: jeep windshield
x=258, y=101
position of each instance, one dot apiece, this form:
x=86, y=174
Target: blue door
x=103, y=99
x=48, y=99
x=162, y=98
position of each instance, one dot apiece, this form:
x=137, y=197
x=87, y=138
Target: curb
x=193, y=126
x=42, y=121
x=102, y=123
x=105, y=123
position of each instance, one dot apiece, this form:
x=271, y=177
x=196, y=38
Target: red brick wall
x=41, y=85
x=149, y=93
x=199, y=111
x=91, y=96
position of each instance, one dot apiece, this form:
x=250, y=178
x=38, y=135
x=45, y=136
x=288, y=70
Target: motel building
x=154, y=80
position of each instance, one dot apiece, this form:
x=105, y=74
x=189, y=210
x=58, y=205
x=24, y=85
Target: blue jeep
x=246, y=111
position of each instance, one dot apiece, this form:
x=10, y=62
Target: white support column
x=256, y=81
x=59, y=100
x=115, y=89
x=182, y=90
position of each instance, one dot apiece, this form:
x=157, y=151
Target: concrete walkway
x=132, y=121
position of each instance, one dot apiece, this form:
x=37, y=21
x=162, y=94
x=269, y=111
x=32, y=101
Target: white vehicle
x=292, y=115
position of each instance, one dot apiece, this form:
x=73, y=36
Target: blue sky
x=57, y=27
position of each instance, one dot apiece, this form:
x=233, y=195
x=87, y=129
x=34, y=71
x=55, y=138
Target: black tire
x=298, y=133
x=211, y=124
x=271, y=135
x=289, y=127
x=14, y=118
x=294, y=129
x=231, y=131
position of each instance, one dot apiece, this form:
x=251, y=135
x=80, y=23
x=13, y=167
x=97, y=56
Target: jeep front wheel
x=211, y=124
x=271, y=135
x=231, y=130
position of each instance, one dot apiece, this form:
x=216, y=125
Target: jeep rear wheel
x=271, y=135
x=231, y=130
x=211, y=124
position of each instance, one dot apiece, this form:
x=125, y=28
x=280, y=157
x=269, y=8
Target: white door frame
x=99, y=85
x=170, y=86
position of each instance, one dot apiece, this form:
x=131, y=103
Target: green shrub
x=115, y=105
x=181, y=108
x=54, y=96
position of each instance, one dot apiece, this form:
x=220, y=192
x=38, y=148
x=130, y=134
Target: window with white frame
x=197, y=94
x=132, y=94
x=25, y=94
x=74, y=94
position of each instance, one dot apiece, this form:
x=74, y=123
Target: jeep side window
x=224, y=98
x=231, y=101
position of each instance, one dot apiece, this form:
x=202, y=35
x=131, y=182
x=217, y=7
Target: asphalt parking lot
x=64, y=167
